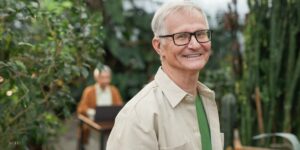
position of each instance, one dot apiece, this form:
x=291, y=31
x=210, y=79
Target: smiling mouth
x=192, y=55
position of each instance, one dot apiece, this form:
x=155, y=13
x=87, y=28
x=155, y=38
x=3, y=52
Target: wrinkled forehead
x=185, y=16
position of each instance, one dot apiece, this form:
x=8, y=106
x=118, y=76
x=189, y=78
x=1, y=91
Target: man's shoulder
x=143, y=99
x=90, y=88
x=144, y=93
x=142, y=108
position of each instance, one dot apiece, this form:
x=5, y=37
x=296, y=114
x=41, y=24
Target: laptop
x=106, y=113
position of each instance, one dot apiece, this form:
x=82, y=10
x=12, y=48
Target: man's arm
x=83, y=104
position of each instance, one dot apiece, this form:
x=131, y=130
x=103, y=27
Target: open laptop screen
x=106, y=113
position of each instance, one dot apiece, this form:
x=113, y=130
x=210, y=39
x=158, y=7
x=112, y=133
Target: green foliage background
x=47, y=49
x=272, y=65
x=128, y=46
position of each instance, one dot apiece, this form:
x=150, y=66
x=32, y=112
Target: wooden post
x=259, y=112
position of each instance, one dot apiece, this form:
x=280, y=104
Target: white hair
x=158, y=21
x=104, y=68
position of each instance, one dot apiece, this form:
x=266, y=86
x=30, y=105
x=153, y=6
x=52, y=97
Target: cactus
x=228, y=117
x=272, y=63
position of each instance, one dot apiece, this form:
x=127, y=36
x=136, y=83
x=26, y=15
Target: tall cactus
x=272, y=63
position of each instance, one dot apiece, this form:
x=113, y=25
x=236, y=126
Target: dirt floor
x=68, y=140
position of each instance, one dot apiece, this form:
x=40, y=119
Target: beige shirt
x=163, y=117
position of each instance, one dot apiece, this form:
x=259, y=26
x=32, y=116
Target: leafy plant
x=47, y=49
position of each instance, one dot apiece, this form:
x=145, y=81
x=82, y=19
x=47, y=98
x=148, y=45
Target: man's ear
x=156, y=45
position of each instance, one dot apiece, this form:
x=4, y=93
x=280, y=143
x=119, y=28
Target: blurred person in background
x=175, y=111
x=102, y=93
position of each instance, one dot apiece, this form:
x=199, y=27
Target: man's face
x=190, y=57
x=104, y=79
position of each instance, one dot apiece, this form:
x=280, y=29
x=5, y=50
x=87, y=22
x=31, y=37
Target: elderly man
x=175, y=111
x=100, y=94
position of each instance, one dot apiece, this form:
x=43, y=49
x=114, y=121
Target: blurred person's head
x=181, y=36
x=103, y=76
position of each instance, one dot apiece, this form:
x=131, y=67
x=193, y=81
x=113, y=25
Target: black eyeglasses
x=183, y=38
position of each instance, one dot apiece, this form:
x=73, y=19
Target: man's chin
x=195, y=67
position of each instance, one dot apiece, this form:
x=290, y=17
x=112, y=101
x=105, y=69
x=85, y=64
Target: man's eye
x=201, y=34
x=182, y=36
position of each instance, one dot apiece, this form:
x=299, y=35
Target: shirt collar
x=172, y=91
x=205, y=91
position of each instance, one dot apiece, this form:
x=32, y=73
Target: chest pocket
x=184, y=146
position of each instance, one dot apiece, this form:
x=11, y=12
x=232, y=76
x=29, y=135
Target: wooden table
x=103, y=127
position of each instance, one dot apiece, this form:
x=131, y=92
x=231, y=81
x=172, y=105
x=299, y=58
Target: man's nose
x=193, y=42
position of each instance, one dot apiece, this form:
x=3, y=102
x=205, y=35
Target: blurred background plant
x=47, y=48
x=128, y=45
x=270, y=85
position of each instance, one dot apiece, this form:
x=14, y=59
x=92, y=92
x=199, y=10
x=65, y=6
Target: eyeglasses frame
x=191, y=34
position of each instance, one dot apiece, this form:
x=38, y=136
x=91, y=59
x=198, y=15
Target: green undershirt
x=203, y=125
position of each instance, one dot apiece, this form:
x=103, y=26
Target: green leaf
x=67, y=4
x=290, y=137
x=84, y=72
x=25, y=44
x=20, y=65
